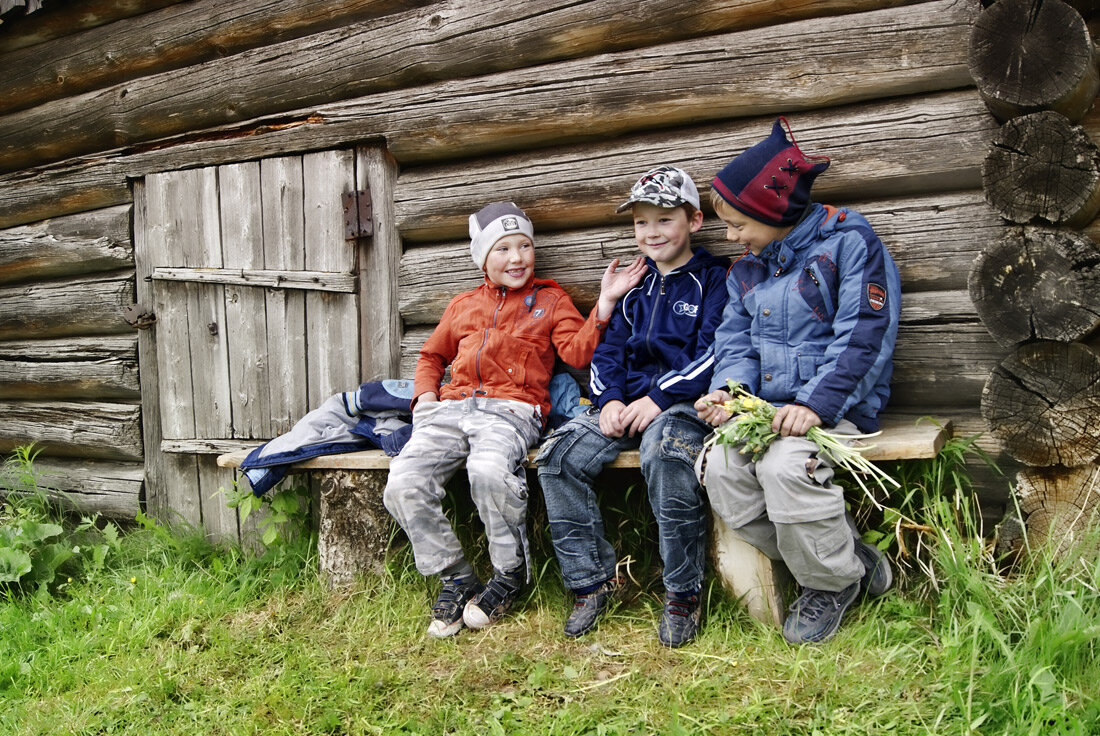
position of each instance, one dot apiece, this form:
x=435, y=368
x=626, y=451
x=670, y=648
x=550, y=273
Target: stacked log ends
x=1038, y=284
x=1060, y=505
x=1043, y=403
x=1043, y=166
x=1026, y=56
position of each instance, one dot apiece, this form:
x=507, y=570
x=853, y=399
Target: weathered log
x=112, y=489
x=1043, y=166
x=1038, y=284
x=881, y=149
x=90, y=305
x=1043, y=402
x=75, y=244
x=172, y=38
x=91, y=368
x=66, y=18
x=875, y=54
x=87, y=429
x=1059, y=506
x=1028, y=56
x=354, y=525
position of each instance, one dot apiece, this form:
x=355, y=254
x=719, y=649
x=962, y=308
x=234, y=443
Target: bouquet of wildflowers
x=750, y=428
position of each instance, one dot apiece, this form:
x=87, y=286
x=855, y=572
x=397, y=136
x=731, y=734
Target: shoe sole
x=474, y=617
x=439, y=630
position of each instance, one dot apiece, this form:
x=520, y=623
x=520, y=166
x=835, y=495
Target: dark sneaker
x=680, y=621
x=490, y=605
x=588, y=608
x=816, y=615
x=878, y=576
x=447, y=609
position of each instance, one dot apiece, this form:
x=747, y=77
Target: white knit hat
x=493, y=222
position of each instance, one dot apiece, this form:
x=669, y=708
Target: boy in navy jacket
x=654, y=360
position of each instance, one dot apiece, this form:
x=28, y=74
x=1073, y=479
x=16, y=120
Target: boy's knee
x=557, y=451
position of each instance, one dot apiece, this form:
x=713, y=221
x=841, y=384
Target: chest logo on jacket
x=691, y=310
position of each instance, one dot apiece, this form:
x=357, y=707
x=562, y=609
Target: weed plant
x=175, y=635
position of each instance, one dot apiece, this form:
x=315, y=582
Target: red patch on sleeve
x=876, y=296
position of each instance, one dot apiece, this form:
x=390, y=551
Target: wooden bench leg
x=759, y=582
x=355, y=528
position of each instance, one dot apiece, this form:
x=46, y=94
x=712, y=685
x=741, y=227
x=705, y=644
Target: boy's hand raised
x=615, y=282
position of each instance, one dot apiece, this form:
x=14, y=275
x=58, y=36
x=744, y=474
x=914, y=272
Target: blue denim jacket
x=813, y=320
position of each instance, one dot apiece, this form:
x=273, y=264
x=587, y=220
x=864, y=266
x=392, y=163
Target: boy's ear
x=696, y=221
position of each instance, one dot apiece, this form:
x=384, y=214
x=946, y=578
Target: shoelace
x=678, y=607
x=815, y=604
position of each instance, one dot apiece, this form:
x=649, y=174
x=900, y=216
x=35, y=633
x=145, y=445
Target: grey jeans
x=492, y=437
x=787, y=506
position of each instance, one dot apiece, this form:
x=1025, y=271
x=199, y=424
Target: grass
x=175, y=636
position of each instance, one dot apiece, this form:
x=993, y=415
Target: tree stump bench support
x=355, y=528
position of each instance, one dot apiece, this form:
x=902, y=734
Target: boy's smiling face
x=745, y=231
x=664, y=234
x=511, y=261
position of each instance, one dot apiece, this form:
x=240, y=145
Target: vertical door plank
x=245, y=309
x=332, y=333
x=170, y=488
x=284, y=250
x=379, y=259
x=201, y=247
x=160, y=248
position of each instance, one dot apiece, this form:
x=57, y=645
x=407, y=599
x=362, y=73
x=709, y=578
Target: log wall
x=558, y=106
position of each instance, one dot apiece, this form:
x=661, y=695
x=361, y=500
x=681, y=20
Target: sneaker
x=878, y=576
x=680, y=621
x=816, y=615
x=490, y=605
x=447, y=609
x=588, y=608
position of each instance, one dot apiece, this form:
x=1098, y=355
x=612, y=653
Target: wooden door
x=257, y=290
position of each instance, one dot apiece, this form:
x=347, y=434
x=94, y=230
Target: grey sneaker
x=589, y=608
x=816, y=615
x=879, y=576
x=447, y=609
x=679, y=621
x=490, y=605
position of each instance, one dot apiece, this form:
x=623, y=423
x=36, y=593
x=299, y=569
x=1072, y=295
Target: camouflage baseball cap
x=664, y=186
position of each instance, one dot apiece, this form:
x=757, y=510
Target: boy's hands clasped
x=617, y=418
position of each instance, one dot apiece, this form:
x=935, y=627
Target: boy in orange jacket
x=499, y=341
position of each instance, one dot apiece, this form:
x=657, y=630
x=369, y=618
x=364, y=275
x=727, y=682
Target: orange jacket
x=500, y=343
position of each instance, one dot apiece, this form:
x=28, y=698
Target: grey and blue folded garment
x=377, y=416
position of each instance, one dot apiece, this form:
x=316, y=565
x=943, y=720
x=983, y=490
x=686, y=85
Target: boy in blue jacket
x=653, y=361
x=810, y=327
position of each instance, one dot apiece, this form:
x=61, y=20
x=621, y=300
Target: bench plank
x=902, y=438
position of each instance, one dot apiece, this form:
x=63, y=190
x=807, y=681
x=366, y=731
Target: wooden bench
x=354, y=528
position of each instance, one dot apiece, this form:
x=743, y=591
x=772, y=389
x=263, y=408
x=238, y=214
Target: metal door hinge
x=139, y=316
x=358, y=215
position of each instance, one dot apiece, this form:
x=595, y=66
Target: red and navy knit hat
x=771, y=181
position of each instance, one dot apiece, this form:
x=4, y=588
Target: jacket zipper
x=485, y=339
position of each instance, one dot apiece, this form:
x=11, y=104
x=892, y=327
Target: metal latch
x=358, y=215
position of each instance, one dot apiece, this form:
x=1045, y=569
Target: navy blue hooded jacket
x=660, y=339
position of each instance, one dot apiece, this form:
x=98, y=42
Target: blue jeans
x=568, y=463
